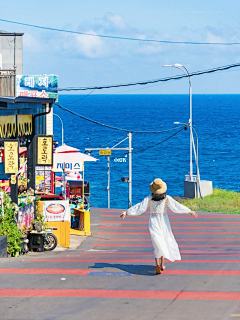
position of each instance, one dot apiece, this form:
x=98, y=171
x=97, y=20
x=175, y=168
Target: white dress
x=162, y=237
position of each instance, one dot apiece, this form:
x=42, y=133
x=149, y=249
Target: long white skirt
x=162, y=237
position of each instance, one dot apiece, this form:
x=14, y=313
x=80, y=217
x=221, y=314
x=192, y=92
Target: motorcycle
x=49, y=240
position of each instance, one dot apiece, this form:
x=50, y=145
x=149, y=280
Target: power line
x=81, y=97
x=142, y=150
x=196, y=73
x=123, y=38
x=111, y=127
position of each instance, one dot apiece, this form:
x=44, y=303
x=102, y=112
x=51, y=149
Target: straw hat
x=158, y=186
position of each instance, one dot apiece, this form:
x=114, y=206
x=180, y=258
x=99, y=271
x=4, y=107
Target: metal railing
x=8, y=82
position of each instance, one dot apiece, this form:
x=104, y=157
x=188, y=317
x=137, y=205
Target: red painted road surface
x=110, y=272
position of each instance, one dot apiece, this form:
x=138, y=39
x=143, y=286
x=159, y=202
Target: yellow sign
x=13, y=179
x=4, y=184
x=45, y=151
x=11, y=156
x=105, y=152
x=40, y=178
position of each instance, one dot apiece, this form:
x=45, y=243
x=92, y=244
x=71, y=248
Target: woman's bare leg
x=157, y=261
x=162, y=262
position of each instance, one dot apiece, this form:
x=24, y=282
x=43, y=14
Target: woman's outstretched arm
x=177, y=207
x=138, y=209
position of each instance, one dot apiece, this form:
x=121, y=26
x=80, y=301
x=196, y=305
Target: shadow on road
x=143, y=270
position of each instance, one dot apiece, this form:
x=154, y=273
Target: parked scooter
x=50, y=240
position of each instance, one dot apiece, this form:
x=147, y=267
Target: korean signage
x=41, y=86
x=44, y=150
x=56, y=210
x=43, y=178
x=120, y=159
x=11, y=157
x=105, y=152
x=69, y=166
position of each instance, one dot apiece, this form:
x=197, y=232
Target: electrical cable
x=178, y=77
x=81, y=97
x=112, y=141
x=142, y=150
x=111, y=127
x=122, y=38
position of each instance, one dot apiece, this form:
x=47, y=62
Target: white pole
x=130, y=171
x=190, y=120
x=196, y=160
x=108, y=187
x=62, y=125
x=184, y=69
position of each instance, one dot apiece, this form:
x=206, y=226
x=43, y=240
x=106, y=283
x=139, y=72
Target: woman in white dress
x=164, y=243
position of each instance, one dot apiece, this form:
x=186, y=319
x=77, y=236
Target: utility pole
x=108, y=187
x=107, y=152
x=130, y=171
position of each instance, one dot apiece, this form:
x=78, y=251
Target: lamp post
x=196, y=156
x=184, y=69
x=62, y=124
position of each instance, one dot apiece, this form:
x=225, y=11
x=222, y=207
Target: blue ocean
x=216, y=119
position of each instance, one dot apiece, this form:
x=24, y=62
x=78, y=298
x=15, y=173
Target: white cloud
x=116, y=20
x=91, y=46
x=31, y=44
x=149, y=49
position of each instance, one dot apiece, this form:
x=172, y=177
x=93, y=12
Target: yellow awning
x=24, y=124
x=7, y=126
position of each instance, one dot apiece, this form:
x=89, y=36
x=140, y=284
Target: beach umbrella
x=65, y=149
x=72, y=157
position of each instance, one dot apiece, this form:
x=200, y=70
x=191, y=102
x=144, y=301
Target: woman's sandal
x=158, y=269
x=163, y=268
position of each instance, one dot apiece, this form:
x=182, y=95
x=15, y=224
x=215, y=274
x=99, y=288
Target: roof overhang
x=26, y=100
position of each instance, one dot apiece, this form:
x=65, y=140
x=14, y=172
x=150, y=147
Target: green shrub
x=9, y=228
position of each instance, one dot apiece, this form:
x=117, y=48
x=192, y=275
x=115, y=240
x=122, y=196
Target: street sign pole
x=107, y=152
x=130, y=171
x=108, y=187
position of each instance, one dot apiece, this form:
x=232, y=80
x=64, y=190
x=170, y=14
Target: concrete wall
x=7, y=52
x=3, y=247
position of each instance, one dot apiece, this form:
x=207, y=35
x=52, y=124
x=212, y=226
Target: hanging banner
x=41, y=86
x=44, y=150
x=11, y=157
x=69, y=166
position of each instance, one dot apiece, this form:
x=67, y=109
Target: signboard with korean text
x=105, y=152
x=11, y=157
x=44, y=150
x=69, y=166
x=41, y=86
x=43, y=178
x=56, y=210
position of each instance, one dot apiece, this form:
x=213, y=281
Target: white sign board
x=69, y=166
x=56, y=210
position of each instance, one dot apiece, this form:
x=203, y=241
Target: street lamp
x=184, y=69
x=196, y=155
x=62, y=124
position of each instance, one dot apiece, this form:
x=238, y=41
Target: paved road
x=112, y=275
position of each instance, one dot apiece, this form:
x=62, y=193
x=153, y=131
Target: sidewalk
x=75, y=242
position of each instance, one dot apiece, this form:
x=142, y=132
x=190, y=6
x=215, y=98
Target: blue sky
x=85, y=61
